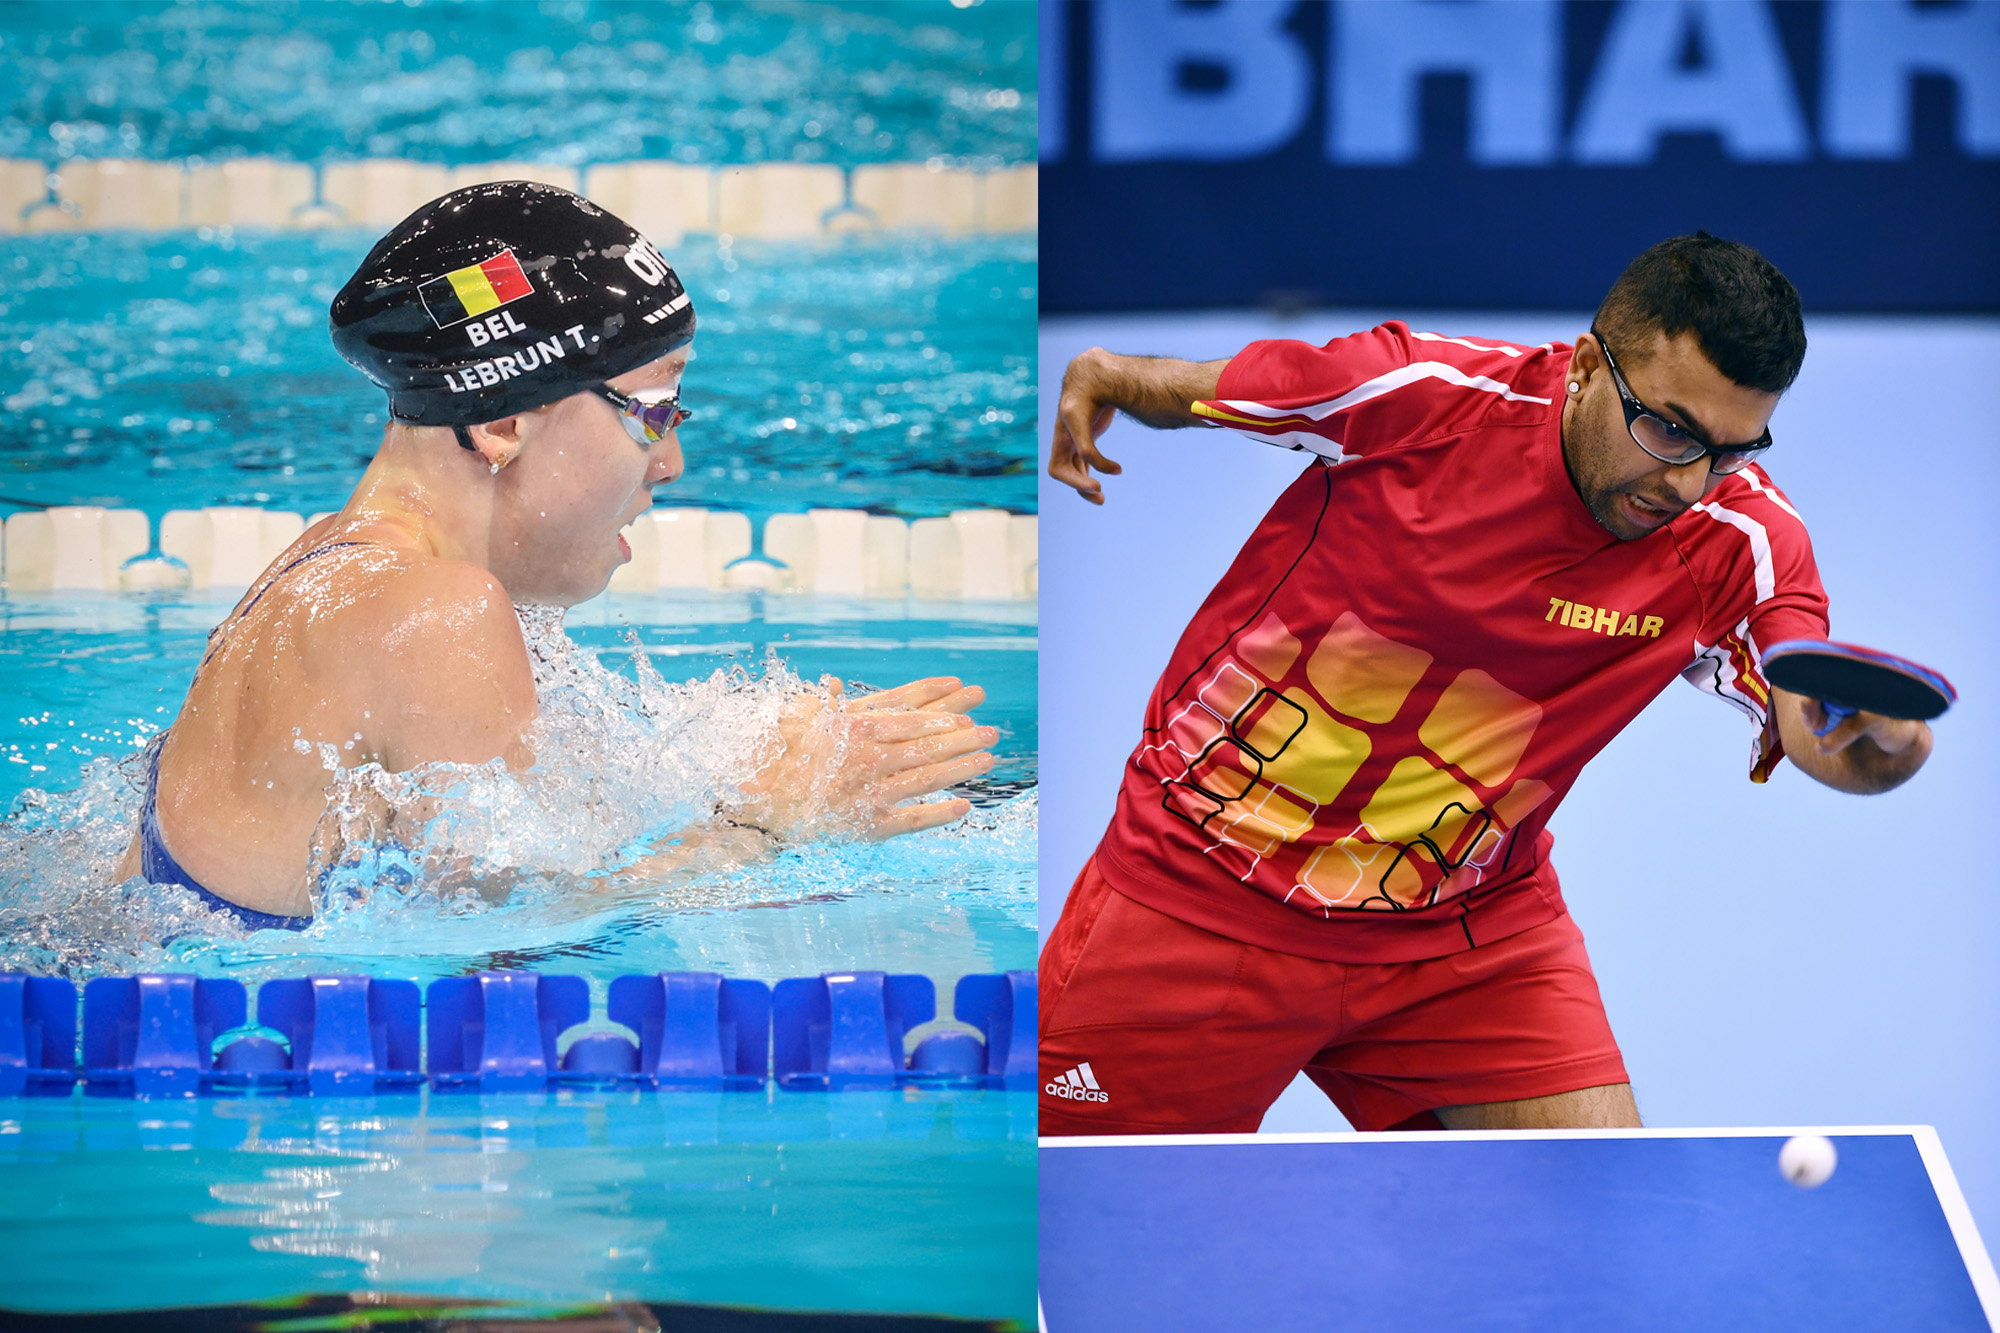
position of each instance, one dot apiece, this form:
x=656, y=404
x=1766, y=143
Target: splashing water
x=458, y=866
x=618, y=765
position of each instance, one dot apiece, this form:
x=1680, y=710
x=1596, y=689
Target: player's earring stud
x=1574, y=386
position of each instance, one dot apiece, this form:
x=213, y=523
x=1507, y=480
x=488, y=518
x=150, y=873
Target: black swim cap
x=500, y=298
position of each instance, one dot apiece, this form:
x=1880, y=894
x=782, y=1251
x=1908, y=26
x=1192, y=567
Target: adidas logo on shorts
x=1077, y=1085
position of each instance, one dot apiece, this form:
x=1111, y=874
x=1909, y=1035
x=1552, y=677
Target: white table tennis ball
x=1807, y=1160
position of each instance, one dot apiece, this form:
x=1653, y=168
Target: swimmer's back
x=357, y=638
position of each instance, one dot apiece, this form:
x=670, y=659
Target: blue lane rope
x=175, y=1034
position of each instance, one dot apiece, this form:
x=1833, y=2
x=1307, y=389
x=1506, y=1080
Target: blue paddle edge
x=1836, y=712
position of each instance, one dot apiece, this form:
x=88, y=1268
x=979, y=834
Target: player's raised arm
x=1865, y=754
x=1157, y=391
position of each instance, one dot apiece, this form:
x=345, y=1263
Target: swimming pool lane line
x=667, y=201
x=177, y=1034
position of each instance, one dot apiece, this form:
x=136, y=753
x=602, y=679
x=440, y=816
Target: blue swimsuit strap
x=271, y=583
x=156, y=863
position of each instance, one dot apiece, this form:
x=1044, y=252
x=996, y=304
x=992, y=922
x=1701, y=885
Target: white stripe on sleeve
x=1760, y=543
x=1477, y=347
x=1414, y=373
x=1770, y=493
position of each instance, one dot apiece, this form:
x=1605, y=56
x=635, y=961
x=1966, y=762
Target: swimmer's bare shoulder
x=435, y=648
x=388, y=653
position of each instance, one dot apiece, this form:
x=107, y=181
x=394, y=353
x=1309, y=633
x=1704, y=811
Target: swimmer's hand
x=847, y=764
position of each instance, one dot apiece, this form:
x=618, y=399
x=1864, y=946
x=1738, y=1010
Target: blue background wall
x=1511, y=153
x=1769, y=955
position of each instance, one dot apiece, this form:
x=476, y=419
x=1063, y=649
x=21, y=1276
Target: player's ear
x=1586, y=359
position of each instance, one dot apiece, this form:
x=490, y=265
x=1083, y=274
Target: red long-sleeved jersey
x=1357, y=744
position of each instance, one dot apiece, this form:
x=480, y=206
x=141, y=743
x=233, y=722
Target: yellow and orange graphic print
x=1263, y=751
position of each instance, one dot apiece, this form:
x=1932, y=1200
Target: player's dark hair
x=1743, y=312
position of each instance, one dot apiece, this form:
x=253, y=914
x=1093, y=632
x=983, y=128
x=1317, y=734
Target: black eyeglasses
x=1672, y=444
x=647, y=421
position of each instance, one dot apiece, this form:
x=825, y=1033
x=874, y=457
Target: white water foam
x=471, y=860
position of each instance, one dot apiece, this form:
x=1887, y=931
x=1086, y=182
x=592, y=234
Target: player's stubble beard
x=1589, y=443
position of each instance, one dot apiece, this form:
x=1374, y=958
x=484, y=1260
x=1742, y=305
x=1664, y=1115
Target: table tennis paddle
x=1849, y=679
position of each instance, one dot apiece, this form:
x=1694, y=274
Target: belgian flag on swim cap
x=475, y=289
x=586, y=299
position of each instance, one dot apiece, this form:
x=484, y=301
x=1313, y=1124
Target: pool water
x=93, y=677
x=180, y=369
x=177, y=370
x=918, y=1201
x=832, y=1201
x=569, y=81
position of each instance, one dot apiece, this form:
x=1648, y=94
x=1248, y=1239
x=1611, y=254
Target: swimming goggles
x=646, y=420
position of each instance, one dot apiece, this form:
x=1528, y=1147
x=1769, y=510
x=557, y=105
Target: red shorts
x=1152, y=1026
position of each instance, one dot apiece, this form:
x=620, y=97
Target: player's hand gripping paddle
x=1847, y=679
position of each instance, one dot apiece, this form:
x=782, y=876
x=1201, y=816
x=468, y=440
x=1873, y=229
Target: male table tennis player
x=1329, y=851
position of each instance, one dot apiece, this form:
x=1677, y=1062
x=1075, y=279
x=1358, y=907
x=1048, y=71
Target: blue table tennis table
x=1601, y=1230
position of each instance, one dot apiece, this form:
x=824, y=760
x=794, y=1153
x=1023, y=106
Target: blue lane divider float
x=342, y=1035
x=37, y=1035
x=845, y=1029
x=497, y=1031
x=151, y=1036
x=161, y=1035
x=1003, y=1007
x=696, y=1030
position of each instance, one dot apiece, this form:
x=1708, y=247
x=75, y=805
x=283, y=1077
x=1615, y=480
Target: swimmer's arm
x=716, y=847
x=857, y=767
x=436, y=670
x=1155, y=391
